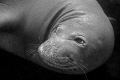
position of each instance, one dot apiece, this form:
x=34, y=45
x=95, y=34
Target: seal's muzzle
x=62, y=51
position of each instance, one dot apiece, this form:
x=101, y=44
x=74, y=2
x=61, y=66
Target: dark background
x=17, y=68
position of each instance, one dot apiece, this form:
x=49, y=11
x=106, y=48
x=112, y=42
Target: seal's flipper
x=6, y=14
x=9, y=27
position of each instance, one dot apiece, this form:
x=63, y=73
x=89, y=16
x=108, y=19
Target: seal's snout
x=63, y=49
x=61, y=53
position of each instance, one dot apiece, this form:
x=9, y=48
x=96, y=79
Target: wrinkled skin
x=24, y=24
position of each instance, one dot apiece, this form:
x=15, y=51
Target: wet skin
x=71, y=37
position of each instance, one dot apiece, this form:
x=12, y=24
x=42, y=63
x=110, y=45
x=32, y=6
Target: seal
x=66, y=36
x=73, y=43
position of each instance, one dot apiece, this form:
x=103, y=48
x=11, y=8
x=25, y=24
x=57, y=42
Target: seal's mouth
x=62, y=52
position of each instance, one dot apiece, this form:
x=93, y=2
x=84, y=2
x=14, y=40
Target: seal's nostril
x=59, y=54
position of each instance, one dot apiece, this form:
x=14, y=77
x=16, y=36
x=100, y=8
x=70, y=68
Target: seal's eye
x=79, y=40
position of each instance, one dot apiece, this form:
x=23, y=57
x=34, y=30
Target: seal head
x=77, y=43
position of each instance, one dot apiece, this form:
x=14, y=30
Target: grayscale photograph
x=59, y=39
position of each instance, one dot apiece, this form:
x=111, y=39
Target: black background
x=17, y=68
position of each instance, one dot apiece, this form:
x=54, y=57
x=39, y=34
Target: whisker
x=31, y=52
x=84, y=66
x=80, y=66
x=84, y=72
